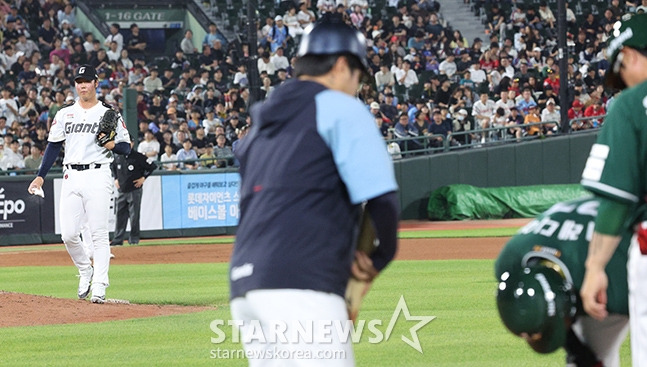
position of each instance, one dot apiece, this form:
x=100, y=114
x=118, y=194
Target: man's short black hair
x=316, y=65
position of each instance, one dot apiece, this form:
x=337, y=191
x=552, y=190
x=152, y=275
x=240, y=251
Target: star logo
x=422, y=321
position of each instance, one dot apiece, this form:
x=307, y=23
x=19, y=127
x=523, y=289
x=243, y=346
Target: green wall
x=557, y=160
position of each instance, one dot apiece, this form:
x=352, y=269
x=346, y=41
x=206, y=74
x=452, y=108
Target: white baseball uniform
x=87, y=183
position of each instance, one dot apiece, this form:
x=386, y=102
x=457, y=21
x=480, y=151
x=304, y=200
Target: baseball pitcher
x=540, y=271
x=92, y=132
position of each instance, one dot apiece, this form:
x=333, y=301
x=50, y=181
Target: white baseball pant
x=87, y=193
x=294, y=307
x=637, y=281
x=603, y=337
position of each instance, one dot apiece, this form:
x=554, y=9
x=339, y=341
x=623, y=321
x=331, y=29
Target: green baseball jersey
x=617, y=165
x=562, y=235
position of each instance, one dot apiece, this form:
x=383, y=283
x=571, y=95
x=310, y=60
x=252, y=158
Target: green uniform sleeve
x=611, y=219
x=615, y=164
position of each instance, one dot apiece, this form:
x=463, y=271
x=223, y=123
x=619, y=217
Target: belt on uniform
x=83, y=167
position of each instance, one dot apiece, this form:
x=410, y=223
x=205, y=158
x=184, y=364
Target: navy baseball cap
x=86, y=72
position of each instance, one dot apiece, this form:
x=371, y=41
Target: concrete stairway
x=458, y=15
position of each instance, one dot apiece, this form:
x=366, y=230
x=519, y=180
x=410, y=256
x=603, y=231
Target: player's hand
x=594, y=293
x=109, y=145
x=36, y=184
x=139, y=182
x=117, y=184
x=362, y=267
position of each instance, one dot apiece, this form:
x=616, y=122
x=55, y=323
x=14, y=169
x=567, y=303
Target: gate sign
x=145, y=18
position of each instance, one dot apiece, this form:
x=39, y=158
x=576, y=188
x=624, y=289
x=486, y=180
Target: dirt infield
x=18, y=309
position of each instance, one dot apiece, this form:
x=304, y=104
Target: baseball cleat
x=98, y=293
x=85, y=278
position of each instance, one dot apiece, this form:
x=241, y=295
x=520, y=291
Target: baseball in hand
x=38, y=191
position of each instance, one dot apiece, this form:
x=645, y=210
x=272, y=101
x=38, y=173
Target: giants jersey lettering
x=78, y=127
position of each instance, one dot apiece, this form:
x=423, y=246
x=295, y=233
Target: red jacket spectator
x=576, y=110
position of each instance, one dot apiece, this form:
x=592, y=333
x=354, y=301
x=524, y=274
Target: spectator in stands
x=67, y=14
x=406, y=76
x=532, y=117
x=136, y=42
x=477, y=75
x=279, y=60
x=207, y=159
x=525, y=102
x=591, y=27
x=595, y=109
x=443, y=94
x=115, y=36
x=305, y=15
x=448, y=66
x=403, y=129
x=291, y=21
x=483, y=110
x=223, y=152
x=169, y=156
x=265, y=64
x=25, y=45
x=100, y=60
x=278, y=36
x=188, y=156
x=213, y=35
x=46, y=36
x=550, y=113
x=149, y=147
x=186, y=45
x=34, y=159
x=505, y=102
x=179, y=61
x=547, y=94
x=12, y=158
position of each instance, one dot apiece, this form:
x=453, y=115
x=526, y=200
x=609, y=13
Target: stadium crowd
x=426, y=80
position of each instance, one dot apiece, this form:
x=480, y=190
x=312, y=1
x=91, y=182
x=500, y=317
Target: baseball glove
x=356, y=289
x=107, y=127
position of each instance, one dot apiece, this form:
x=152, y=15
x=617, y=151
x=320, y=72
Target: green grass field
x=460, y=293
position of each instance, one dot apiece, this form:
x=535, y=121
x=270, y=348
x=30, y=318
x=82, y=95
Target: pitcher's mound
x=19, y=309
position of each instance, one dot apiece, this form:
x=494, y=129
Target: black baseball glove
x=107, y=127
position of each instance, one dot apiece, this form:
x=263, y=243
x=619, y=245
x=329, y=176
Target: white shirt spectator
x=9, y=108
x=148, y=147
x=448, y=68
x=483, y=111
x=553, y=116
x=210, y=125
x=507, y=105
x=11, y=160
x=117, y=38
x=410, y=77
x=477, y=75
x=280, y=62
x=113, y=55
x=166, y=158
x=266, y=66
x=305, y=16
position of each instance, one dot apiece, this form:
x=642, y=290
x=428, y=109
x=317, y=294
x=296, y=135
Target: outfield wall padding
x=553, y=160
x=460, y=202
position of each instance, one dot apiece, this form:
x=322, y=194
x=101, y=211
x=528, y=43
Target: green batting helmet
x=539, y=302
x=631, y=31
